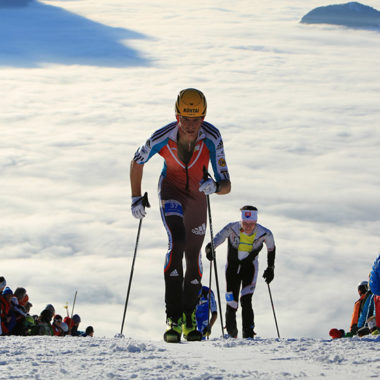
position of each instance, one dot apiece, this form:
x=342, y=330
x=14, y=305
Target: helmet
x=363, y=287
x=191, y=103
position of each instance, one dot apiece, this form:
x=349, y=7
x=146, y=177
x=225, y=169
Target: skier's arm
x=136, y=174
x=271, y=257
x=138, y=205
x=219, y=238
x=222, y=235
x=269, y=272
x=224, y=186
x=219, y=165
x=214, y=315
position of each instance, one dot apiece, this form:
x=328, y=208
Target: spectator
x=3, y=284
x=68, y=322
x=89, y=331
x=366, y=314
x=51, y=308
x=18, y=301
x=8, y=319
x=28, y=306
x=64, y=328
x=358, y=307
x=4, y=311
x=75, y=321
x=57, y=326
x=43, y=325
x=206, y=304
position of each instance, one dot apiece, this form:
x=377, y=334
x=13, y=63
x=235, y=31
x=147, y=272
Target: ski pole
x=75, y=298
x=145, y=203
x=274, y=313
x=209, y=298
x=67, y=308
x=205, y=176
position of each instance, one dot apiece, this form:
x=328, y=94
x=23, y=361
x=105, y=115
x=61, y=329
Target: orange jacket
x=357, y=309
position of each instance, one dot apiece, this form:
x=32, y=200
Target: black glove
x=209, y=253
x=268, y=275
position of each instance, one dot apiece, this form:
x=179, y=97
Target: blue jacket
x=201, y=311
x=367, y=310
x=374, y=281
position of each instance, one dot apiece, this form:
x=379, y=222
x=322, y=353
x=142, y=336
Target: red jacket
x=5, y=307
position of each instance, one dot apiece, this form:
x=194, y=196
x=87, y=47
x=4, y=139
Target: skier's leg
x=195, y=216
x=247, y=315
x=232, y=296
x=249, y=276
x=195, y=229
x=173, y=271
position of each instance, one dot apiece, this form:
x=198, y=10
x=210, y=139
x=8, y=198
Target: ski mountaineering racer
x=245, y=240
x=187, y=146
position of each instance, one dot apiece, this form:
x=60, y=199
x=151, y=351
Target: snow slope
x=83, y=83
x=126, y=358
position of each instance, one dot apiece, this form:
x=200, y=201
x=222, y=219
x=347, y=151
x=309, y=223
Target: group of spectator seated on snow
x=366, y=315
x=15, y=317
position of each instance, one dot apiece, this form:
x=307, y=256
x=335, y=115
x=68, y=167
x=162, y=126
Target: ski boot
x=174, y=330
x=248, y=333
x=231, y=322
x=189, y=328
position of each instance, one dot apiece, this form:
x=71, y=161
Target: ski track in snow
x=127, y=358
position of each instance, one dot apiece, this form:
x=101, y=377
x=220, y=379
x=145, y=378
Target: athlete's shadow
x=33, y=34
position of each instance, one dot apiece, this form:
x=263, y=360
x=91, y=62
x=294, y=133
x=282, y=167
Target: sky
x=85, y=82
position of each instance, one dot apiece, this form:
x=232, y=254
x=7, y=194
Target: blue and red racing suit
x=184, y=208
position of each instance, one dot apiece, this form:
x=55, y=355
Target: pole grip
x=145, y=200
x=205, y=173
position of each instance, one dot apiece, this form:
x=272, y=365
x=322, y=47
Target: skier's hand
x=268, y=275
x=138, y=206
x=208, y=186
x=206, y=331
x=209, y=253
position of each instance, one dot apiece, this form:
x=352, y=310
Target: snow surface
x=127, y=358
x=85, y=82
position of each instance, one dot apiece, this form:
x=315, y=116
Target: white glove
x=137, y=207
x=208, y=186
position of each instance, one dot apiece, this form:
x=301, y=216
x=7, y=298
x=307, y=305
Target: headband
x=249, y=215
